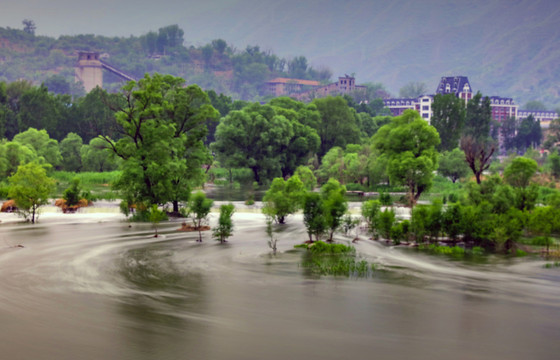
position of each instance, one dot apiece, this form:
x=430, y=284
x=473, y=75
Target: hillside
x=505, y=47
x=217, y=66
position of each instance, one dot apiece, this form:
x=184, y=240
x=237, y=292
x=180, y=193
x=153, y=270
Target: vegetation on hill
x=217, y=65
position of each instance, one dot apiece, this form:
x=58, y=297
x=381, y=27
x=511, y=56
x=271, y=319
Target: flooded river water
x=89, y=286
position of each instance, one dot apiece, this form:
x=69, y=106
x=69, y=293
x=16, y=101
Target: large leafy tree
x=30, y=188
x=43, y=145
x=448, y=118
x=478, y=117
x=162, y=125
x=70, y=148
x=339, y=124
x=408, y=145
x=270, y=140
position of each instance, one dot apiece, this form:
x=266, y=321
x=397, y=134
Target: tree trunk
x=176, y=206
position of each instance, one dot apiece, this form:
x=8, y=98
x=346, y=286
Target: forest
x=157, y=140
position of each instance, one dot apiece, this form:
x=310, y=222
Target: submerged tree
x=30, y=188
x=162, y=125
x=225, y=225
x=408, y=145
x=200, y=206
x=283, y=198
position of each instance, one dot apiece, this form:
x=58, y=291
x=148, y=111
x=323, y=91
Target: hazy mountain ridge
x=505, y=47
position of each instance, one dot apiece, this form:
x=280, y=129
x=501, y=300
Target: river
x=91, y=286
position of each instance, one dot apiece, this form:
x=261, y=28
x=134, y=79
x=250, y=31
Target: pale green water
x=91, y=287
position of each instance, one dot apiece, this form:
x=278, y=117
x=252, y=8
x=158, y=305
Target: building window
x=425, y=107
x=425, y=115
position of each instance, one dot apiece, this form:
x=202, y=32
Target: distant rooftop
x=294, y=81
x=453, y=85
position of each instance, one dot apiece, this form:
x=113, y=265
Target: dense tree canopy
x=338, y=125
x=269, y=140
x=448, y=118
x=163, y=129
x=409, y=145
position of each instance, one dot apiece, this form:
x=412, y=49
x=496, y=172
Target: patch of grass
x=552, y=265
x=334, y=260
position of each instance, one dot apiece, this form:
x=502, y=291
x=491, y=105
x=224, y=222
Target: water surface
x=89, y=286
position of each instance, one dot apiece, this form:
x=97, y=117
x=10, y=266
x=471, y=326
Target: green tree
x=163, y=128
x=200, y=206
x=72, y=194
x=409, y=145
x=452, y=165
x=478, y=118
x=42, y=143
x=306, y=176
x=314, y=215
x=338, y=125
x=283, y=198
x=520, y=171
x=386, y=222
x=70, y=148
x=225, y=224
x=30, y=188
x=97, y=156
x=335, y=205
x=370, y=212
x=256, y=138
x=155, y=216
x=529, y=134
x=449, y=119
x=542, y=221
x=518, y=174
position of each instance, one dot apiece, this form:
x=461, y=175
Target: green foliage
x=338, y=125
x=224, y=229
x=283, y=198
x=455, y=251
x=72, y=195
x=267, y=139
x=313, y=215
x=370, y=212
x=520, y=171
x=155, y=216
x=386, y=223
x=200, y=207
x=408, y=143
x=70, y=148
x=334, y=260
x=452, y=165
x=30, y=188
x=163, y=128
x=43, y=145
x=306, y=176
x=335, y=205
x=449, y=119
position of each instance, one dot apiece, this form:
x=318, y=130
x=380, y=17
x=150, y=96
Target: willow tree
x=162, y=129
x=408, y=145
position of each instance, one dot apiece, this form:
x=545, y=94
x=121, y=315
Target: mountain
x=505, y=47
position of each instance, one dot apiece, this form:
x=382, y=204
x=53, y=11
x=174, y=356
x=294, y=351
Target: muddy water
x=88, y=286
